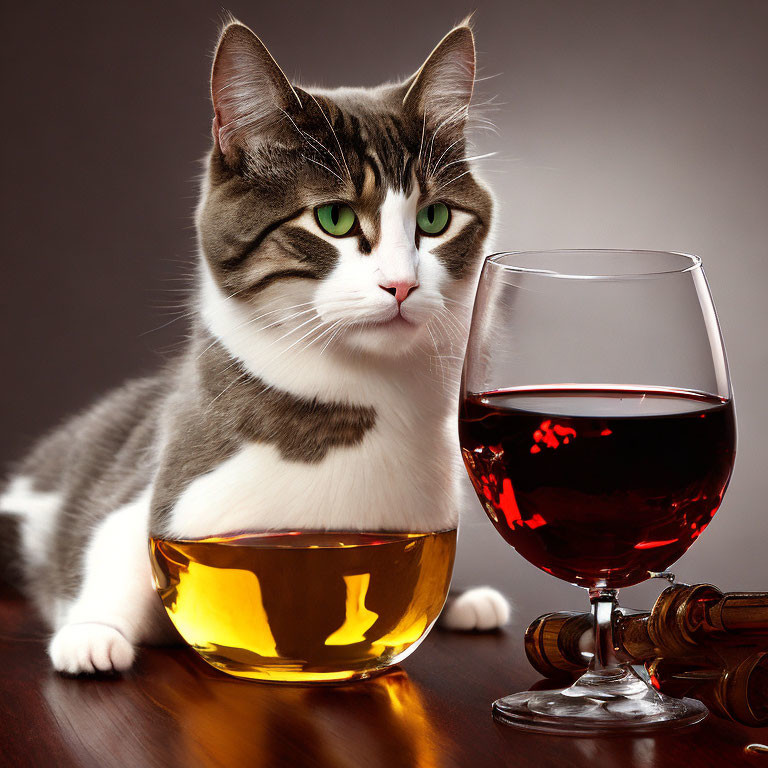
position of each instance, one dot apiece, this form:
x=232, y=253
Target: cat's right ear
x=249, y=91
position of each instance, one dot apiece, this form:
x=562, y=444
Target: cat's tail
x=482, y=609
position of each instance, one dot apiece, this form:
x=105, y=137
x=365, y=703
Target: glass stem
x=604, y=661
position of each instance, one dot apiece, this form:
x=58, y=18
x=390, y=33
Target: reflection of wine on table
x=599, y=486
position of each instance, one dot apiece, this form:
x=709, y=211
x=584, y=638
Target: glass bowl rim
x=494, y=259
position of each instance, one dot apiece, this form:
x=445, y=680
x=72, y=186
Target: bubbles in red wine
x=599, y=486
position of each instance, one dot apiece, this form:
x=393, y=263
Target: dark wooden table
x=174, y=710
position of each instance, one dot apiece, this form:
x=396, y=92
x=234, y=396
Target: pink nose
x=400, y=289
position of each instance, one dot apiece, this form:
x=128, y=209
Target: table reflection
x=208, y=719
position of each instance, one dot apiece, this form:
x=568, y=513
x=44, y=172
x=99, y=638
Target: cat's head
x=347, y=217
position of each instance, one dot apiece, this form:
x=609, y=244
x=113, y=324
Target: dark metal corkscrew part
x=695, y=641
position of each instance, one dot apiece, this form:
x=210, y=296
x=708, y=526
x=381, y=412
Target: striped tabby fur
x=311, y=394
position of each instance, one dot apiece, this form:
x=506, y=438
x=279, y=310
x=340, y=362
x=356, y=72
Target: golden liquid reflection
x=378, y=723
x=205, y=719
x=205, y=602
x=357, y=618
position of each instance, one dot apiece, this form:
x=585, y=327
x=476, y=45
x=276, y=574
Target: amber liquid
x=304, y=606
x=599, y=487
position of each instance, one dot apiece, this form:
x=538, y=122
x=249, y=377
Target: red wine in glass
x=598, y=487
x=597, y=427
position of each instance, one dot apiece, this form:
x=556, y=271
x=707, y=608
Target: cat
x=340, y=237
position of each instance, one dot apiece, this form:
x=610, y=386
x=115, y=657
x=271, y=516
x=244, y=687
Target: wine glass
x=598, y=430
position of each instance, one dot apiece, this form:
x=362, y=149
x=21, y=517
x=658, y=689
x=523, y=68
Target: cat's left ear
x=441, y=90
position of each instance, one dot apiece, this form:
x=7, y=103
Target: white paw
x=87, y=648
x=482, y=608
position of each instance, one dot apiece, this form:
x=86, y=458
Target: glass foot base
x=623, y=705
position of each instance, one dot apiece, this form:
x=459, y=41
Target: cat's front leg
x=116, y=607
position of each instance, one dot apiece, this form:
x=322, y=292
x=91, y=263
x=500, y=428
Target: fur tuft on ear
x=441, y=90
x=249, y=91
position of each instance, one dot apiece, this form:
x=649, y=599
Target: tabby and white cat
x=340, y=237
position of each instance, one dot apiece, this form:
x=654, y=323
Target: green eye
x=433, y=219
x=336, y=219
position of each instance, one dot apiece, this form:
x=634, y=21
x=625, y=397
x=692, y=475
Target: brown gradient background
x=620, y=124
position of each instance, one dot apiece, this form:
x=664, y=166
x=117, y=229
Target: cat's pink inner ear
x=249, y=91
x=442, y=88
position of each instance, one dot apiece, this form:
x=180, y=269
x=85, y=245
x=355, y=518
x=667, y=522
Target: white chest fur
x=389, y=481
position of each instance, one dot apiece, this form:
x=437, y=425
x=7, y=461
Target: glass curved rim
x=694, y=262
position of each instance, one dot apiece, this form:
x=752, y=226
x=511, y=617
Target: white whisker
x=251, y=320
x=340, y=327
x=421, y=143
x=323, y=165
x=439, y=159
x=309, y=137
x=455, y=178
x=467, y=160
x=226, y=389
x=327, y=120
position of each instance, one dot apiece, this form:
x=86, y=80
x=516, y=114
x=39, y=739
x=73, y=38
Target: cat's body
x=317, y=389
